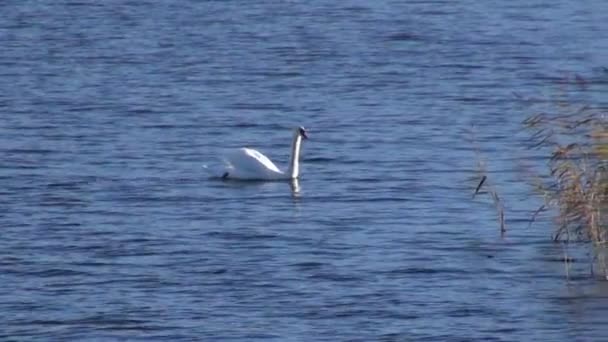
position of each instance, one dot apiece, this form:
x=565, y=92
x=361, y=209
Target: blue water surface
x=110, y=229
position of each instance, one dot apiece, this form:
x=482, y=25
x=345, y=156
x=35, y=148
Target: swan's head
x=302, y=132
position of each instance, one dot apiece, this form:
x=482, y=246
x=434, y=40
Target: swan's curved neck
x=294, y=163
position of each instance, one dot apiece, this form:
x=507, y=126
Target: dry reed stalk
x=576, y=136
x=483, y=174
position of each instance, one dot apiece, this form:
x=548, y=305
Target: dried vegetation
x=573, y=177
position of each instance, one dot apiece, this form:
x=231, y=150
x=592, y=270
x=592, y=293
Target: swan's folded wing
x=250, y=160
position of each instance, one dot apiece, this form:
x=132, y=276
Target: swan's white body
x=250, y=164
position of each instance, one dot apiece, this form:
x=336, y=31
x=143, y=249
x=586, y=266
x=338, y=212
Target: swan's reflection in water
x=294, y=185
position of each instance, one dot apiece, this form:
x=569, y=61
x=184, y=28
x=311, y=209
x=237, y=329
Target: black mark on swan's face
x=302, y=132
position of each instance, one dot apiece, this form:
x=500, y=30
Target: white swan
x=249, y=164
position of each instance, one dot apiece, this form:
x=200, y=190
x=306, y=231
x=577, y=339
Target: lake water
x=110, y=229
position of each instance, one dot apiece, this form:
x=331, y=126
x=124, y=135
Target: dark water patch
x=143, y=111
x=219, y=271
x=357, y=9
x=26, y=151
x=89, y=108
x=351, y=198
x=90, y=263
x=425, y=271
x=60, y=225
x=332, y=312
x=123, y=251
x=20, y=164
x=319, y=160
x=107, y=216
x=116, y=282
x=370, y=104
x=563, y=259
x=436, y=12
x=169, y=126
x=241, y=236
x=471, y=99
x=52, y=273
x=469, y=312
x=260, y=106
x=462, y=66
x=68, y=185
x=34, y=127
x=404, y=36
x=374, y=314
x=334, y=277
x=54, y=200
x=262, y=336
x=252, y=126
x=99, y=321
x=502, y=331
x=310, y=265
x=276, y=74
